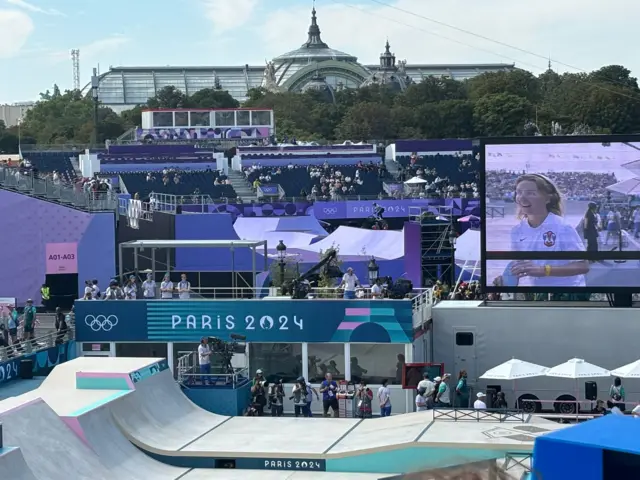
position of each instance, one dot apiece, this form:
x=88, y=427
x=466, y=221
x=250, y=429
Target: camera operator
x=299, y=397
x=364, y=397
x=204, y=357
x=276, y=397
x=258, y=393
x=329, y=388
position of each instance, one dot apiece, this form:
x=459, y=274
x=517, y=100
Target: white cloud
x=34, y=8
x=91, y=52
x=582, y=33
x=228, y=15
x=16, y=27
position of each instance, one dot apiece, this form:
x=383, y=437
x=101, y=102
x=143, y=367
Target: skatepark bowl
x=126, y=418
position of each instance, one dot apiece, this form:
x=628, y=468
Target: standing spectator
x=429, y=389
x=462, y=391
x=95, y=290
x=310, y=393
x=276, y=397
x=88, y=290
x=479, y=403
x=384, y=399
x=184, y=288
x=617, y=394
x=259, y=396
x=443, y=397
x=149, y=287
x=166, y=287
x=204, y=358
x=131, y=289
x=61, y=326
x=421, y=401
x=14, y=322
x=29, y=316
x=349, y=282
x=113, y=292
x=45, y=295
x=328, y=388
x=299, y=397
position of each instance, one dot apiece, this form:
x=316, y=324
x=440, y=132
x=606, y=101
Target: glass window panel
x=374, y=362
x=326, y=358
x=260, y=117
x=200, y=119
x=163, y=119
x=277, y=360
x=243, y=118
x=182, y=119
x=225, y=118
x=96, y=347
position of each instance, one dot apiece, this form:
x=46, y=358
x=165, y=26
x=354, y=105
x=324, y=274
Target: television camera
x=224, y=350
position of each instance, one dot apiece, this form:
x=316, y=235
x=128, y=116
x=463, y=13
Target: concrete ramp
x=52, y=450
x=159, y=410
x=117, y=454
x=13, y=466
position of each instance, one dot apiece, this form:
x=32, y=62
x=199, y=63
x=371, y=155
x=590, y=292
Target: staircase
x=241, y=186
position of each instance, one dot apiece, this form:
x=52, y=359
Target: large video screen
x=561, y=215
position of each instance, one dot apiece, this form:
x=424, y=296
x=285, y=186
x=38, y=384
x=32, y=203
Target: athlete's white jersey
x=552, y=235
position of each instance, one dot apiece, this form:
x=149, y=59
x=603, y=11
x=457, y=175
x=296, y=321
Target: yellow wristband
x=547, y=270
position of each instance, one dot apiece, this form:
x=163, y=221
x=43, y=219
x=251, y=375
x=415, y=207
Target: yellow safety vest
x=44, y=291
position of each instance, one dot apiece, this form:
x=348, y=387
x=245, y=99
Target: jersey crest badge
x=549, y=239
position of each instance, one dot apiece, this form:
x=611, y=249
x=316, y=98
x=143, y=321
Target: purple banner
x=156, y=150
x=272, y=161
x=201, y=133
x=119, y=159
x=351, y=209
x=302, y=149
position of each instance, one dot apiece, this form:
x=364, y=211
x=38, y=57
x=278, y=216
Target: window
x=276, y=360
x=162, y=119
x=261, y=118
x=326, y=358
x=464, y=339
x=225, y=118
x=96, y=347
x=182, y=119
x=374, y=362
x=243, y=118
x=200, y=119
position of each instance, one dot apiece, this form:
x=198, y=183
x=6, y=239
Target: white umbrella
x=415, y=181
x=631, y=370
x=577, y=368
x=514, y=369
x=626, y=187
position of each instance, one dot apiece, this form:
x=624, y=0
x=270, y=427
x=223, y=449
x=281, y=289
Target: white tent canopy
x=631, y=370
x=415, y=181
x=514, y=369
x=577, y=368
x=626, y=187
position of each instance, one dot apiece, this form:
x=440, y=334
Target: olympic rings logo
x=329, y=211
x=101, y=322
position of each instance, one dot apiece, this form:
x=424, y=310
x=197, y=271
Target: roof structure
x=194, y=244
x=124, y=87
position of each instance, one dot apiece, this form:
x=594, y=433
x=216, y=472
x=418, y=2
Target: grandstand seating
x=298, y=179
x=189, y=182
x=458, y=168
x=48, y=162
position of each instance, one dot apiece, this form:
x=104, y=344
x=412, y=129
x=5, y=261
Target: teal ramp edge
x=412, y=459
x=103, y=383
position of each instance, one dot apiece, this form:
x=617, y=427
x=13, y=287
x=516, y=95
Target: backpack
x=300, y=397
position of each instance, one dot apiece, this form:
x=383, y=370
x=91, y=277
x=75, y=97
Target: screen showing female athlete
x=542, y=227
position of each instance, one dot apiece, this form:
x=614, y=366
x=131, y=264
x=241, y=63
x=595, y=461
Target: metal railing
x=37, y=344
x=517, y=459
x=75, y=196
x=488, y=415
x=188, y=373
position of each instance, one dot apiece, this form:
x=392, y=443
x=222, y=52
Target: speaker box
x=26, y=369
x=590, y=391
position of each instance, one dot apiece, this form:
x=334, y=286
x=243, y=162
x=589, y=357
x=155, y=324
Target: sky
x=37, y=35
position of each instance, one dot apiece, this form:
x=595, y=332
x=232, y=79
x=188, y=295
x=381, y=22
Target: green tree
x=432, y=89
x=515, y=82
x=168, y=97
x=212, y=98
x=502, y=114
x=366, y=121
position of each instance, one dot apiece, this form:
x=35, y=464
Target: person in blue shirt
x=329, y=389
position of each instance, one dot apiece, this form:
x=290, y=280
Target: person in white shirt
x=613, y=408
x=376, y=289
x=166, y=287
x=636, y=411
x=429, y=387
x=95, y=290
x=149, y=287
x=131, y=289
x=543, y=229
x=204, y=354
x=88, y=290
x=421, y=401
x=384, y=399
x=349, y=282
x=479, y=403
x=184, y=288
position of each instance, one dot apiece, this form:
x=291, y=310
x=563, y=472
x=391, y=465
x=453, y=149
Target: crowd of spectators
x=453, y=175
x=321, y=182
x=462, y=291
x=580, y=186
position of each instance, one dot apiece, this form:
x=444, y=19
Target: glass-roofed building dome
x=294, y=69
